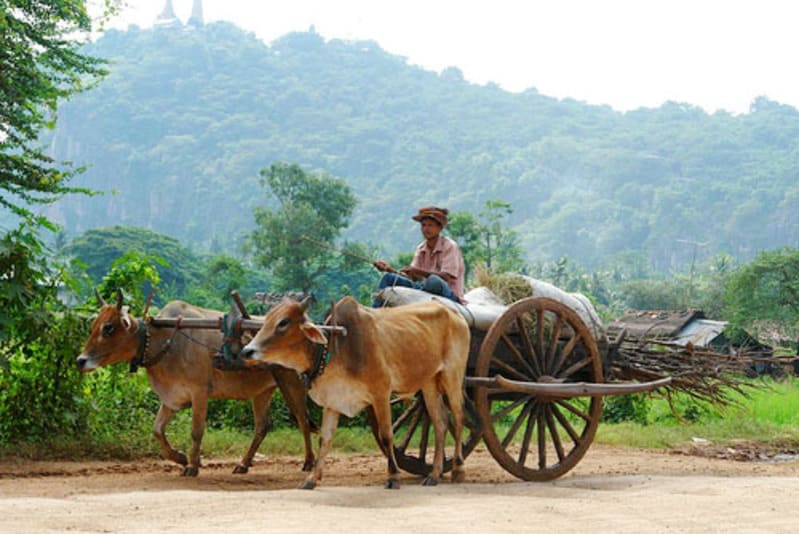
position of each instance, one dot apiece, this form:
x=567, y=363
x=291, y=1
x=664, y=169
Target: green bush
x=40, y=387
x=633, y=408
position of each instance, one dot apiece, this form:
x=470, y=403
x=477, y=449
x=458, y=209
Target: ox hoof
x=430, y=481
x=307, y=485
x=392, y=483
x=308, y=465
x=190, y=471
x=458, y=476
x=240, y=469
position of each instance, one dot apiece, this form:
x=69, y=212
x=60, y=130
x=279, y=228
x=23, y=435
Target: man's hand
x=380, y=265
x=413, y=273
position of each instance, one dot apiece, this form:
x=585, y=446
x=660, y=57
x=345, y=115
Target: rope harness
x=322, y=354
x=143, y=332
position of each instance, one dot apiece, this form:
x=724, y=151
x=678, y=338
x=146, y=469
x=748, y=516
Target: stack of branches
x=698, y=372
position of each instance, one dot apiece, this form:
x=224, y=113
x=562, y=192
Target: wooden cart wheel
x=536, y=437
x=414, y=439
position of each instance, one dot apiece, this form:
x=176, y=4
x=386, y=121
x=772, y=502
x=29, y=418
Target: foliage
x=219, y=276
x=39, y=340
x=293, y=240
x=132, y=273
x=633, y=407
x=186, y=120
x=119, y=411
x=99, y=248
x=486, y=240
x=352, y=274
x=41, y=62
x=762, y=296
x=39, y=388
x=29, y=286
x=654, y=294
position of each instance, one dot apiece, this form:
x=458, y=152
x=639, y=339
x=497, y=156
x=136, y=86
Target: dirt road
x=611, y=490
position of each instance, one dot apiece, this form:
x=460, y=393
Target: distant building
x=691, y=328
x=196, y=19
x=167, y=18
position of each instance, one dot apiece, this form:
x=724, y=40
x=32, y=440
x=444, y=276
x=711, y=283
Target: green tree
x=467, y=231
x=293, y=241
x=97, y=249
x=501, y=244
x=28, y=291
x=762, y=296
x=221, y=275
x=485, y=239
x=40, y=64
x=132, y=273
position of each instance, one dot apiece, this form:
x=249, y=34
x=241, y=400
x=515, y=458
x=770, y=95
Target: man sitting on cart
x=437, y=266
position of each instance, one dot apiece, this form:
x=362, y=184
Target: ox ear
x=312, y=333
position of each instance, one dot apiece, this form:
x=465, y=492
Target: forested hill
x=186, y=119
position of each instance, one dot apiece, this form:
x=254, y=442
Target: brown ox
x=180, y=371
x=391, y=350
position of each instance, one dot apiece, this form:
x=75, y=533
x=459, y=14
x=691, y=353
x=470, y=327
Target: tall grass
x=769, y=413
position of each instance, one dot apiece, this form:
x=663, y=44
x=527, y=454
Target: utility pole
x=696, y=245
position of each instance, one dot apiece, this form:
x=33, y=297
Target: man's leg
x=436, y=285
x=391, y=280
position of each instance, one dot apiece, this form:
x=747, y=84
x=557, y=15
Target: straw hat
x=431, y=212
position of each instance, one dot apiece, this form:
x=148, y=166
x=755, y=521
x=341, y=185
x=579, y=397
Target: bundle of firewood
x=700, y=373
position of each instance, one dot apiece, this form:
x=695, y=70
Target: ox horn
x=306, y=303
x=99, y=297
x=120, y=299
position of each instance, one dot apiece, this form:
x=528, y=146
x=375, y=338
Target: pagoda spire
x=196, y=18
x=167, y=16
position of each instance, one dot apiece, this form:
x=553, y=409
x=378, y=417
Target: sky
x=715, y=54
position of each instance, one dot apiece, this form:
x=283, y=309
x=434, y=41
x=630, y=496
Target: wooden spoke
x=564, y=423
x=518, y=356
x=579, y=413
x=414, y=427
x=540, y=337
x=566, y=352
x=575, y=367
x=528, y=435
x=542, y=442
x=412, y=410
x=509, y=408
x=509, y=369
x=553, y=344
x=418, y=413
x=524, y=335
x=516, y=424
x=553, y=431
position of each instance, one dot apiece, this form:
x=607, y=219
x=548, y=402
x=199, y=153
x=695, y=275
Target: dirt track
x=611, y=490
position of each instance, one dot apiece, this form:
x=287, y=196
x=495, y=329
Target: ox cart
x=537, y=373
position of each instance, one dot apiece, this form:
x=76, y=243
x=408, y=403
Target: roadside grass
x=768, y=413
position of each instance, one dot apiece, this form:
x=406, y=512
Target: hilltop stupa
x=167, y=18
x=196, y=18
